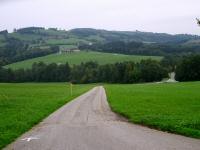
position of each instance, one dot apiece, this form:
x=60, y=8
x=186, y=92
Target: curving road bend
x=87, y=123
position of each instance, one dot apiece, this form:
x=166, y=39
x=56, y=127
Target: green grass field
x=25, y=37
x=168, y=107
x=67, y=46
x=77, y=58
x=2, y=44
x=69, y=41
x=24, y=105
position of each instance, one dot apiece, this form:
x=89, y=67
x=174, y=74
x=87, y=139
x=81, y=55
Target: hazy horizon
x=159, y=16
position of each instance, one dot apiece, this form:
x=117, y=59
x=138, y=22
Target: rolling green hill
x=78, y=57
x=33, y=42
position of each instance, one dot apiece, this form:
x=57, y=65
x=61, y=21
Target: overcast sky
x=170, y=16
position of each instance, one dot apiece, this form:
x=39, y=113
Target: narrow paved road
x=88, y=124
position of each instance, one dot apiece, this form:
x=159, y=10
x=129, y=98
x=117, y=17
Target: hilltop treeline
x=29, y=30
x=141, y=48
x=127, y=36
x=90, y=72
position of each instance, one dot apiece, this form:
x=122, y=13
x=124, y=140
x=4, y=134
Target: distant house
x=90, y=43
x=68, y=50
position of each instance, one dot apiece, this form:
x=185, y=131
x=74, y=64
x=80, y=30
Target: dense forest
x=140, y=48
x=187, y=69
x=90, y=72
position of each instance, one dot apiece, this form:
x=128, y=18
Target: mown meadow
x=169, y=107
x=79, y=57
x=24, y=105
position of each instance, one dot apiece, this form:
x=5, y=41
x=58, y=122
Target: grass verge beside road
x=168, y=107
x=24, y=105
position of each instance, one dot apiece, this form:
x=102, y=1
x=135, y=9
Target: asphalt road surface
x=87, y=123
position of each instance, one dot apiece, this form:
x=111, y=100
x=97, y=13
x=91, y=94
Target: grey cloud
x=155, y=15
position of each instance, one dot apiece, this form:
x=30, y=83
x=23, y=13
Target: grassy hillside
x=130, y=36
x=77, y=58
x=33, y=42
x=168, y=107
x=69, y=41
x=18, y=101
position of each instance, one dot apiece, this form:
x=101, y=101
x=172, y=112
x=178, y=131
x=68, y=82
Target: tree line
x=141, y=48
x=187, y=69
x=89, y=72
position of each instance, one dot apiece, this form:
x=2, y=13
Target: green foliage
x=25, y=37
x=168, y=107
x=24, y=105
x=30, y=30
x=33, y=42
x=95, y=38
x=2, y=44
x=170, y=62
x=17, y=50
x=143, y=48
x=127, y=36
x=89, y=72
x=68, y=46
x=140, y=43
x=77, y=58
x=150, y=71
x=189, y=69
x=68, y=41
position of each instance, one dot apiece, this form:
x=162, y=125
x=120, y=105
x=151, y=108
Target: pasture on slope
x=168, y=107
x=78, y=57
x=24, y=105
